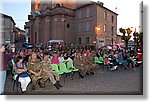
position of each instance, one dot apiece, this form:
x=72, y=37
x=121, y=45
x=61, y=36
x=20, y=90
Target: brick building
x=7, y=27
x=72, y=21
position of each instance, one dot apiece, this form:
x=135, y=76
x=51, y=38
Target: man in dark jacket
x=3, y=68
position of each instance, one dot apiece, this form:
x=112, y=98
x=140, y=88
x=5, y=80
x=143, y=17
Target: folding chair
x=70, y=65
x=63, y=69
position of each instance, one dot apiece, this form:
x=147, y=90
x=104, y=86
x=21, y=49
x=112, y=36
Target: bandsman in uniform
x=88, y=64
x=34, y=69
x=48, y=72
x=79, y=62
x=91, y=61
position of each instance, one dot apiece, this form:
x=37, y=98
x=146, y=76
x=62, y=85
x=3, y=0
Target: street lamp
x=97, y=29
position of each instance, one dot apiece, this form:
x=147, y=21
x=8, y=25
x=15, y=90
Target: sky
x=128, y=11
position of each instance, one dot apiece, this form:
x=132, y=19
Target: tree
x=125, y=37
x=138, y=38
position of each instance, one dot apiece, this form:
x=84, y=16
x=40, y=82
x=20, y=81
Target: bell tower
x=73, y=4
x=35, y=4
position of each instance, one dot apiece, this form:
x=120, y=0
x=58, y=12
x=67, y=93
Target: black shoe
x=56, y=85
x=87, y=74
x=81, y=76
x=23, y=92
x=41, y=85
x=91, y=73
x=33, y=87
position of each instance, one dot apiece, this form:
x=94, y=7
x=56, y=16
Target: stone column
x=48, y=29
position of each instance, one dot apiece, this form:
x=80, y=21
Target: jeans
x=2, y=80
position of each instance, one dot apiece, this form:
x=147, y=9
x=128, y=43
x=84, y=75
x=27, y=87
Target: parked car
x=24, y=45
x=39, y=45
x=49, y=47
x=29, y=46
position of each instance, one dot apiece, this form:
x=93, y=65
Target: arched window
x=80, y=14
x=112, y=19
x=87, y=41
x=88, y=12
x=105, y=15
x=88, y=26
x=35, y=37
x=112, y=30
x=80, y=40
x=105, y=27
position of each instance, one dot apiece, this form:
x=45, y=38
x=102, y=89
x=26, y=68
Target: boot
x=81, y=76
x=87, y=74
x=58, y=83
x=91, y=73
x=41, y=85
x=33, y=87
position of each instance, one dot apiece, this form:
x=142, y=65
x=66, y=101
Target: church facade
x=72, y=21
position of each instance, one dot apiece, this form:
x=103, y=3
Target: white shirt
x=69, y=59
x=61, y=59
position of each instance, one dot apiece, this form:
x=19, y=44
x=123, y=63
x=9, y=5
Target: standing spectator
x=3, y=62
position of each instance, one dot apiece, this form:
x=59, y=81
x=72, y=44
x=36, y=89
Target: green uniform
x=35, y=66
x=88, y=65
x=94, y=66
x=79, y=63
x=49, y=74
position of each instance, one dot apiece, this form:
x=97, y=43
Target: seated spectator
x=131, y=62
x=55, y=59
x=61, y=58
x=79, y=63
x=34, y=69
x=106, y=61
x=21, y=74
x=67, y=58
x=48, y=72
x=112, y=60
x=98, y=53
x=121, y=60
x=23, y=56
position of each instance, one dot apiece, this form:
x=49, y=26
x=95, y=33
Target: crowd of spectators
x=83, y=57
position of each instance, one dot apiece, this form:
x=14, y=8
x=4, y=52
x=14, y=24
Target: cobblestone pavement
x=103, y=82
